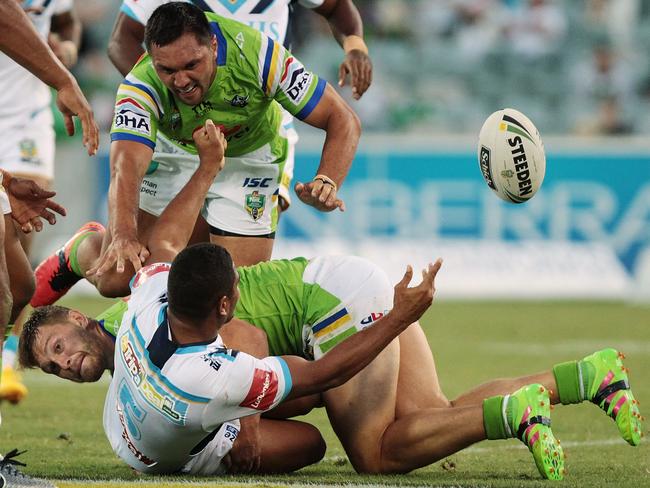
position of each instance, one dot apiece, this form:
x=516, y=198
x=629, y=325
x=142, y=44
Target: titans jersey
x=271, y=17
x=166, y=401
x=22, y=95
x=253, y=73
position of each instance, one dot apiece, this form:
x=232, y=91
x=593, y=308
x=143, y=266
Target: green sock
x=72, y=257
x=567, y=378
x=493, y=418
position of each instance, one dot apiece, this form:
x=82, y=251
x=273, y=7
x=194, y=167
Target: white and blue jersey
x=167, y=402
x=271, y=17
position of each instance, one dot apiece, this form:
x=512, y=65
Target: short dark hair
x=171, y=20
x=40, y=317
x=200, y=276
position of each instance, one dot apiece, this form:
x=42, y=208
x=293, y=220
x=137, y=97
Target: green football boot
x=605, y=383
x=528, y=417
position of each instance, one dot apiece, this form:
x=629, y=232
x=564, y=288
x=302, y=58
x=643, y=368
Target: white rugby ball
x=511, y=155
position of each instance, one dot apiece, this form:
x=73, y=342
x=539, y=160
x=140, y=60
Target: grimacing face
x=186, y=66
x=68, y=350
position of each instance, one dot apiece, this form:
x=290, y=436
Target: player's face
x=186, y=66
x=69, y=351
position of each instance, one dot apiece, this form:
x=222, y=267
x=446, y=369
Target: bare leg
x=361, y=410
x=504, y=386
x=288, y=445
x=246, y=251
x=417, y=369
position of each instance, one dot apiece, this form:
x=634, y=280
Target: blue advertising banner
x=585, y=198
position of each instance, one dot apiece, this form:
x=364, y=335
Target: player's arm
x=21, y=42
x=174, y=227
x=125, y=44
x=347, y=27
x=65, y=37
x=343, y=129
x=6, y=301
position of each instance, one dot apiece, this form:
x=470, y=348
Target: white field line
x=229, y=484
x=519, y=445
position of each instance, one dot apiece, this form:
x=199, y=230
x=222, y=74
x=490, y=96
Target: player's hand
x=72, y=102
x=245, y=455
x=211, y=145
x=411, y=303
x=120, y=251
x=65, y=50
x=30, y=203
x=319, y=194
x=358, y=67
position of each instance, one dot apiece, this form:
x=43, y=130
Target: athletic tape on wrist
x=354, y=42
x=327, y=180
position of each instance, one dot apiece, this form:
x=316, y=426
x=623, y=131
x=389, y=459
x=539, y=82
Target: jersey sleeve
x=283, y=77
x=311, y=3
x=137, y=112
x=140, y=10
x=242, y=385
x=148, y=284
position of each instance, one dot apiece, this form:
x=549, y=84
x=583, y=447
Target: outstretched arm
x=21, y=42
x=347, y=27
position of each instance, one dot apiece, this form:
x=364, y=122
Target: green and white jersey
x=253, y=75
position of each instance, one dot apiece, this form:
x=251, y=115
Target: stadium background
x=527, y=286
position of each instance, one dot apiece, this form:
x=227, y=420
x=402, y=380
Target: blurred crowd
x=573, y=66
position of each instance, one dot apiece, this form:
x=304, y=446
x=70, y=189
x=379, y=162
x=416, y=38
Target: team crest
x=255, y=203
x=238, y=101
x=28, y=151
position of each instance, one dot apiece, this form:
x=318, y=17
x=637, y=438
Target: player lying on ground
x=288, y=294
x=24, y=202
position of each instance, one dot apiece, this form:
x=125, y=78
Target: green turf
x=60, y=422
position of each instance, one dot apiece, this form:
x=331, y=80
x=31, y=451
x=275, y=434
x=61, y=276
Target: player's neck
x=192, y=331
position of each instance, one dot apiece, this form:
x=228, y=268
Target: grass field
x=60, y=422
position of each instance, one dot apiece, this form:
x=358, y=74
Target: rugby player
x=273, y=20
x=22, y=42
x=199, y=66
x=27, y=145
x=309, y=308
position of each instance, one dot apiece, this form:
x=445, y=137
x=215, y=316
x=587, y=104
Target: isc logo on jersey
x=295, y=80
x=131, y=116
x=511, y=155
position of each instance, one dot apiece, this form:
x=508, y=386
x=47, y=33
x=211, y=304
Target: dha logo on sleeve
x=295, y=80
x=131, y=116
x=263, y=390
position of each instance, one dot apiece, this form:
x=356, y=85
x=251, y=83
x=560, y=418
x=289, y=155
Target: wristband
x=326, y=180
x=351, y=43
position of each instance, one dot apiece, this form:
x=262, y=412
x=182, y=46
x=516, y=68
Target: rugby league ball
x=511, y=155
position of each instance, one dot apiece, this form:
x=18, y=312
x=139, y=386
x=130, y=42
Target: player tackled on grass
x=336, y=298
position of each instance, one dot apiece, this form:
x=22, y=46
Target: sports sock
x=493, y=419
x=10, y=351
x=72, y=257
x=570, y=381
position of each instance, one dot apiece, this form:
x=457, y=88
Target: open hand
x=358, y=67
x=30, y=203
x=120, y=251
x=411, y=303
x=246, y=453
x=72, y=102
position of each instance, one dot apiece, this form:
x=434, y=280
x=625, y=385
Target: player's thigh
x=418, y=386
x=21, y=276
x=245, y=250
x=288, y=445
x=362, y=409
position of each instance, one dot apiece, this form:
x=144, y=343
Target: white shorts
x=28, y=148
x=364, y=290
x=208, y=461
x=243, y=198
